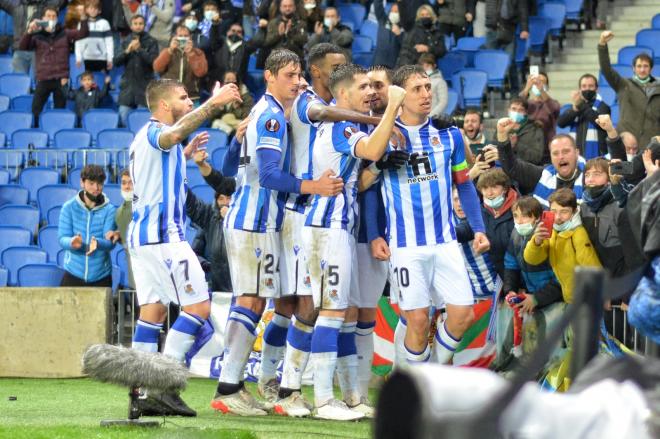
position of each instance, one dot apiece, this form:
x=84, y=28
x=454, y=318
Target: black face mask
x=426, y=21
x=588, y=95
x=234, y=38
x=288, y=16
x=94, y=199
x=597, y=191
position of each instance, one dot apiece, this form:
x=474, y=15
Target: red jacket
x=52, y=50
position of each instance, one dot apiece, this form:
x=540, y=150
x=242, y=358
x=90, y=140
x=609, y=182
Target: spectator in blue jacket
x=84, y=222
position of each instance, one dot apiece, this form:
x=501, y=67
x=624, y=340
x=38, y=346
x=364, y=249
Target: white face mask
x=127, y=195
x=328, y=22
x=310, y=6
x=630, y=157
x=394, y=17
x=524, y=229
x=571, y=224
x=210, y=15
x=429, y=72
x=51, y=25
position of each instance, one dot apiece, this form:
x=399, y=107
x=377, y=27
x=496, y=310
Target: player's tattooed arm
x=326, y=113
x=373, y=147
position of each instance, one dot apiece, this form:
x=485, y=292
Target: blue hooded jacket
x=77, y=219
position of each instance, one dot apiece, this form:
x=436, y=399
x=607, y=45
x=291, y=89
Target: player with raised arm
x=426, y=260
x=253, y=224
x=164, y=266
x=328, y=233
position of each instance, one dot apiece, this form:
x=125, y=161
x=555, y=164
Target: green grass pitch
x=73, y=408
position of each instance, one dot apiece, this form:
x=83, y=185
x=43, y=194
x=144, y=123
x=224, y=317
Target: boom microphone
x=132, y=368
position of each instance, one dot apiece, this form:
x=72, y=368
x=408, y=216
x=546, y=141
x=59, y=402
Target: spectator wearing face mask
x=50, y=42
x=234, y=53
x=286, y=31
x=541, y=106
x=183, y=62
x=332, y=31
x=123, y=218
x=233, y=113
x=390, y=34
x=313, y=14
x=527, y=137
x=158, y=17
x=424, y=37
x=581, y=118
x=438, y=84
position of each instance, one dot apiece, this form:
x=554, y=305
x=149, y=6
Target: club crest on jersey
x=307, y=281
x=189, y=289
x=257, y=252
x=333, y=294
x=349, y=131
x=435, y=141
x=269, y=283
x=272, y=125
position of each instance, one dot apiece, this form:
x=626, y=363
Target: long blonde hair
x=426, y=8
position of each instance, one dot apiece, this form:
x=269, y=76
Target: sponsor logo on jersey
x=272, y=125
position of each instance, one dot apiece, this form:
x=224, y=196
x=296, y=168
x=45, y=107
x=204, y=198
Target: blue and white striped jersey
x=303, y=135
x=159, y=189
x=417, y=197
x=254, y=208
x=334, y=149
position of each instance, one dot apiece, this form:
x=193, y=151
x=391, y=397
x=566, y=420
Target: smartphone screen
x=534, y=70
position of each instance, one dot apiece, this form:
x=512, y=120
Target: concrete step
x=632, y=24
x=572, y=67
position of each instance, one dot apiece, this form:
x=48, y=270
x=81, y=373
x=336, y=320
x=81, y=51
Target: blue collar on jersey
x=399, y=122
x=267, y=95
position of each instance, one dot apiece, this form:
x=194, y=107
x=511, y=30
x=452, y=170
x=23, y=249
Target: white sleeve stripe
x=275, y=148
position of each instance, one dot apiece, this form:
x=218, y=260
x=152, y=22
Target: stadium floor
x=72, y=408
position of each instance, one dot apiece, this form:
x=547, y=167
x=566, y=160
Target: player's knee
x=463, y=319
x=418, y=321
x=201, y=310
x=285, y=306
x=367, y=314
x=153, y=313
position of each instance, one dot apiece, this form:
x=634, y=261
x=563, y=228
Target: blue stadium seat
x=255, y=82
x=193, y=176
x=628, y=53
x=573, y=9
x=539, y=28
x=469, y=46
x=204, y=192
x=452, y=101
x=60, y=258
x=14, y=236
x=113, y=191
x=252, y=62
x=451, y=63
x=470, y=85
x=53, y=216
x=13, y=194
x=122, y=262
x=522, y=47
x=116, y=138
x=11, y=161
x=556, y=12
x=191, y=232
x=649, y=38
x=4, y=176
x=362, y=44
x=52, y=121
x=20, y=215
x=6, y=64
x=496, y=65
x=369, y=29
x=217, y=139
x=4, y=277
x=31, y=137
x=22, y=103
x=218, y=157
x=614, y=114
x=14, y=258
x=116, y=278
x=53, y=195
x=35, y=178
x=655, y=22
x=137, y=119
x=99, y=119
x=40, y=275
x=655, y=71
x=624, y=70
x=3, y=139
x=74, y=177
x=14, y=84
x=5, y=101
x=91, y=156
x=72, y=139
x=14, y=120
x=364, y=59
x=608, y=95
x=352, y=12
x=49, y=241
x=74, y=70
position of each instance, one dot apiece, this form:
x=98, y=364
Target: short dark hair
x=404, y=72
x=210, y=3
x=597, y=163
x=389, y=73
x=563, y=136
x=644, y=57
x=86, y=74
x=158, y=88
x=472, y=110
x=49, y=8
x=227, y=187
x=588, y=75
x=520, y=101
x=126, y=172
x=93, y=173
x=427, y=58
x=545, y=75
x=565, y=197
x=528, y=206
x=181, y=26
x=280, y=58
x=136, y=16
x=344, y=73
x=319, y=51
x=494, y=177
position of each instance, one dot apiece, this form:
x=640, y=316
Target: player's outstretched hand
x=241, y=129
x=379, y=249
x=504, y=127
x=395, y=95
x=76, y=242
x=393, y=160
x=328, y=185
x=198, y=142
x=481, y=244
x=224, y=95
x=93, y=244
x=605, y=37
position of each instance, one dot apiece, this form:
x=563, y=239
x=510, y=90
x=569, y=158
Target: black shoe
x=162, y=404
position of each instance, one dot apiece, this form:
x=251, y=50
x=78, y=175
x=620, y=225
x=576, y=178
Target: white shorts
x=332, y=263
x=372, y=277
x=430, y=274
x=167, y=273
x=254, y=260
x=294, y=275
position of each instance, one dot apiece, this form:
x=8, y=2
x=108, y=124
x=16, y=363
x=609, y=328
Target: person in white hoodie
x=97, y=50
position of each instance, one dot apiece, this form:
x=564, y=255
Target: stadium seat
x=469, y=46
x=53, y=216
x=369, y=29
x=40, y=275
x=35, y=178
x=352, y=12
x=364, y=59
x=74, y=70
x=217, y=139
x=573, y=9
x=22, y=103
x=55, y=120
x=452, y=101
x=362, y=44
x=60, y=257
x=655, y=22
x=74, y=177
x=470, y=85
x=29, y=138
x=607, y=94
x=649, y=38
x=49, y=241
x=4, y=277
x=614, y=114
x=495, y=63
x=5, y=101
x=624, y=70
x=14, y=120
x=14, y=84
x=6, y=64
x=539, y=28
x=116, y=278
x=116, y=138
x=113, y=191
x=13, y=194
x=12, y=161
x=218, y=157
x=14, y=258
x=204, y=192
x=72, y=139
x=20, y=215
x=451, y=63
x=91, y=156
x=556, y=12
x=252, y=62
x=122, y=262
x=191, y=233
x=255, y=82
x=53, y=195
x=4, y=176
x=137, y=119
x=628, y=53
x=520, y=56
x=14, y=236
x=99, y=119
x=193, y=176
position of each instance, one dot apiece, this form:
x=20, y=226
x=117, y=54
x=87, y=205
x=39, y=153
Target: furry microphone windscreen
x=132, y=368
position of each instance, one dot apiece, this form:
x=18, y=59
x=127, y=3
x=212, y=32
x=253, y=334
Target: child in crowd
x=88, y=95
x=566, y=246
x=97, y=50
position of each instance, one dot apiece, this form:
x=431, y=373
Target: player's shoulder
x=345, y=128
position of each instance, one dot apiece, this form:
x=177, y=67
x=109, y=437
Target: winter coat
x=585, y=115
x=518, y=273
x=99, y=45
x=161, y=28
x=451, y=12
x=77, y=219
x=138, y=69
x=565, y=250
x=341, y=35
x=545, y=112
x=498, y=230
x=187, y=68
x=294, y=40
x=51, y=50
x=529, y=143
x=21, y=16
x=518, y=13
x=86, y=100
x=432, y=37
x=388, y=44
x=640, y=113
